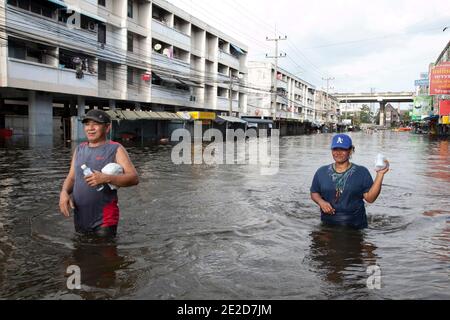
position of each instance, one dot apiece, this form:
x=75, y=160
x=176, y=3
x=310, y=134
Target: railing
x=164, y=95
x=35, y=76
x=37, y=25
x=223, y=103
x=228, y=59
x=170, y=35
x=164, y=62
x=282, y=84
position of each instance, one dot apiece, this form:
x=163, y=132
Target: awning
x=237, y=49
x=86, y=13
x=58, y=2
x=119, y=115
x=433, y=117
x=229, y=119
x=190, y=83
x=199, y=115
x=257, y=120
x=167, y=78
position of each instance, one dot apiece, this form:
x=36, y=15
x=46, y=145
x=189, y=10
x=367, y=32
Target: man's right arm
x=65, y=201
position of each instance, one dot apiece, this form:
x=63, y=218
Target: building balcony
x=229, y=60
x=41, y=77
x=223, y=80
x=111, y=90
x=282, y=100
x=137, y=28
x=282, y=85
x=40, y=27
x=223, y=104
x=164, y=62
x=170, y=96
x=170, y=35
x=112, y=18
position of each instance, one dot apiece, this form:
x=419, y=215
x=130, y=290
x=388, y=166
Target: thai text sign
x=440, y=79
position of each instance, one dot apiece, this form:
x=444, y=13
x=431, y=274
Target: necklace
x=340, y=180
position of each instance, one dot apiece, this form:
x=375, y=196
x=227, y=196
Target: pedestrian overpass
x=382, y=98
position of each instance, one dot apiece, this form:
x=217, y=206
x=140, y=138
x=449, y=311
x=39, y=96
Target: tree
x=405, y=117
x=366, y=116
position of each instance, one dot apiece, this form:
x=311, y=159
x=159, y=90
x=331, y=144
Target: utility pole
x=275, y=76
x=328, y=89
x=230, y=92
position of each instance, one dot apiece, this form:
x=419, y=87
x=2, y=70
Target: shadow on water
x=100, y=265
x=341, y=256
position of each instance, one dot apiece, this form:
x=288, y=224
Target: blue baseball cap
x=341, y=141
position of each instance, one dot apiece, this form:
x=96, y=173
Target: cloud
x=363, y=44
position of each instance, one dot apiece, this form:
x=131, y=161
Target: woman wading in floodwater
x=341, y=188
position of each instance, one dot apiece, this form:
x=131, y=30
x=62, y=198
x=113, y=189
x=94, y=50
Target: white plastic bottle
x=87, y=172
x=380, y=164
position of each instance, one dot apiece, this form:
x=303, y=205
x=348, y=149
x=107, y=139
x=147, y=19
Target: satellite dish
x=158, y=46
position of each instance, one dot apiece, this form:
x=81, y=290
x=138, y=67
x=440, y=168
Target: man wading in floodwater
x=96, y=212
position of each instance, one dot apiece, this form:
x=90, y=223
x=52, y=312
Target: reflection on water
x=225, y=231
x=99, y=263
x=342, y=255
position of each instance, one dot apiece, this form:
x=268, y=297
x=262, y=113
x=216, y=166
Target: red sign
x=146, y=77
x=444, y=108
x=440, y=79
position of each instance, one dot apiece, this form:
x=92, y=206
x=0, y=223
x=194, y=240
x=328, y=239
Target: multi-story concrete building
x=327, y=110
x=113, y=54
x=295, y=98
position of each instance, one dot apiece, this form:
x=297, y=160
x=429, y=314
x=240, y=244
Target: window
x=101, y=70
x=24, y=4
x=102, y=3
x=28, y=51
x=102, y=33
x=17, y=49
x=130, y=9
x=130, y=75
x=40, y=7
x=130, y=42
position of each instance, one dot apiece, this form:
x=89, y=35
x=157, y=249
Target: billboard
x=444, y=108
x=422, y=107
x=440, y=79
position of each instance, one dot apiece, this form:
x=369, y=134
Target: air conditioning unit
x=92, y=26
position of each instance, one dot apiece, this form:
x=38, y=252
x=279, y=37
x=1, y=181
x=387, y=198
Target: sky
x=378, y=44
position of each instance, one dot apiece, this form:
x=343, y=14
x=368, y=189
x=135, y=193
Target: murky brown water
x=226, y=232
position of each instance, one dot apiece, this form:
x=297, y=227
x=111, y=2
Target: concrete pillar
x=2, y=115
x=112, y=104
x=382, y=113
x=81, y=102
x=40, y=114
x=73, y=108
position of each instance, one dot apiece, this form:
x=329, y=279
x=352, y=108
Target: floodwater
x=228, y=232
